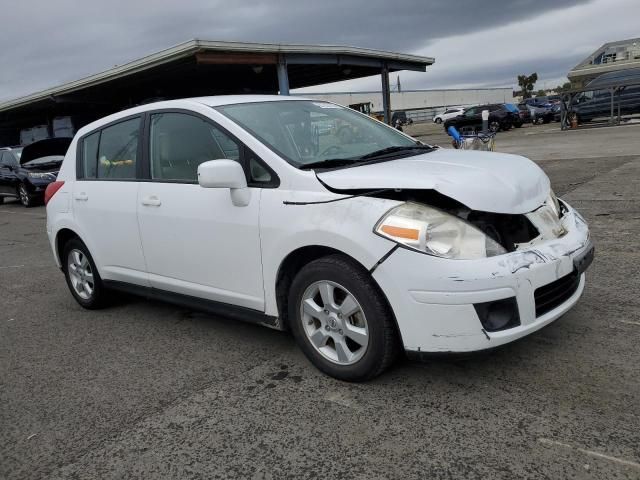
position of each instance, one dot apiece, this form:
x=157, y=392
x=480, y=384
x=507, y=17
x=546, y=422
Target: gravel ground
x=147, y=390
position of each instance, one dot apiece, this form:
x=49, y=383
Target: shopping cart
x=473, y=141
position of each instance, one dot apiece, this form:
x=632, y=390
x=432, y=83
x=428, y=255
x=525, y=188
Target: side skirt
x=200, y=304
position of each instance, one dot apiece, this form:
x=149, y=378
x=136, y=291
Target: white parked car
x=361, y=246
x=447, y=114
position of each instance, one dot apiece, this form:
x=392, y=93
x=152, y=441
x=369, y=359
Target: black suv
x=26, y=172
x=500, y=118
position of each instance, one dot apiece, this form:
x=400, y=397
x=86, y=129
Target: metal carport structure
x=201, y=67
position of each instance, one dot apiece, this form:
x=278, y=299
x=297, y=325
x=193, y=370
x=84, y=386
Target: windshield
x=307, y=133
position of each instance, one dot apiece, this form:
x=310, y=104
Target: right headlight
x=434, y=232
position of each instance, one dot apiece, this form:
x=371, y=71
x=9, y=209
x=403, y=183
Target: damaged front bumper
x=440, y=304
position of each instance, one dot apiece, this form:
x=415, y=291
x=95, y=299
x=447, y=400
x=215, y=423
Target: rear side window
x=180, y=142
x=118, y=149
x=90, y=155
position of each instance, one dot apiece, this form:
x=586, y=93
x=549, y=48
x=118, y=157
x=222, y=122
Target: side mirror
x=225, y=174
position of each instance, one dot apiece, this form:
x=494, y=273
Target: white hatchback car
x=361, y=244
x=447, y=114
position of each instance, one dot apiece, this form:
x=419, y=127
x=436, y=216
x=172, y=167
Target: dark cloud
x=45, y=43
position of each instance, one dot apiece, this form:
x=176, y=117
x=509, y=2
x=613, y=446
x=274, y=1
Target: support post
x=386, y=94
x=611, y=121
x=283, y=77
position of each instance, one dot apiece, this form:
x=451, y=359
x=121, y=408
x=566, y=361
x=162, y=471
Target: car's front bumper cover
x=433, y=298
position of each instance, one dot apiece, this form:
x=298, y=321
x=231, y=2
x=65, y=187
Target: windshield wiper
x=395, y=149
x=329, y=163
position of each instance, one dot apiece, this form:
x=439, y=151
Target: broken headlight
x=434, y=232
x=552, y=201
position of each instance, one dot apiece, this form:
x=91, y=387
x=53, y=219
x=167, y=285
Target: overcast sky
x=44, y=43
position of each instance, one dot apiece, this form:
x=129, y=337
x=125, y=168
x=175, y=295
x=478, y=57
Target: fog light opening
x=498, y=315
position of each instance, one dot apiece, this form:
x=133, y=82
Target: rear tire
x=82, y=276
x=438, y=121
x=341, y=320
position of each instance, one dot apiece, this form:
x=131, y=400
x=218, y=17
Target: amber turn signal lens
x=399, y=232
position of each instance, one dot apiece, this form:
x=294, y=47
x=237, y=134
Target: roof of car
x=213, y=101
x=218, y=100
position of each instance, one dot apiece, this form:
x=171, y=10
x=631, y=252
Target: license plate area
x=582, y=261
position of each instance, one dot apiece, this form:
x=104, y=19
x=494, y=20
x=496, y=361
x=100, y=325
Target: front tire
x=82, y=276
x=26, y=199
x=340, y=319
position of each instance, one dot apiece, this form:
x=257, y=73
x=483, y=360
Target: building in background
x=191, y=69
x=610, y=57
x=420, y=105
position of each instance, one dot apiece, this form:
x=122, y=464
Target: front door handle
x=151, y=201
x=81, y=197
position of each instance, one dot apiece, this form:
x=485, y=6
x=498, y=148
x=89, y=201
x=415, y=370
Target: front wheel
x=26, y=199
x=340, y=319
x=82, y=276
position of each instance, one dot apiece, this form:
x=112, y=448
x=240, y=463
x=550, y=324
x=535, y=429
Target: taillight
x=51, y=190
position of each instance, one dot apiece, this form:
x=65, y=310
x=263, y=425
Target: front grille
x=555, y=293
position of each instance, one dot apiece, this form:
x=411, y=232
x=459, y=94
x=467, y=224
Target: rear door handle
x=151, y=201
x=81, y=197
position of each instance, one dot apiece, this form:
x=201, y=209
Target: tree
x=564, y=87
x=541, y=93
x=526, y=83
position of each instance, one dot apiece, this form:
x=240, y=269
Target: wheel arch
x=62, y=237
x=300, y=257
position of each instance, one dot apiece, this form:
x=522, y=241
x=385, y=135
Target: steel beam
x=386, y=94
x=283, y=77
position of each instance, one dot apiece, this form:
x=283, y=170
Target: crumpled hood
x=485, y=181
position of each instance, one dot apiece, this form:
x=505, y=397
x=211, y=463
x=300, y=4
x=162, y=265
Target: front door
x=196, y=242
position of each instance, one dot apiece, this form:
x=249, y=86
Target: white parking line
x=620, y=461
x=12, y=266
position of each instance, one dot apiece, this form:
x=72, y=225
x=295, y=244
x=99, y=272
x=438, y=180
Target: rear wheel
x=340, y=319
x=1, y=200
x=438, y=121
x=82, y=275
x=26, y=199
x=494, y=126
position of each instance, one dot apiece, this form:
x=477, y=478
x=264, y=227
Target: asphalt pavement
x=148, y=390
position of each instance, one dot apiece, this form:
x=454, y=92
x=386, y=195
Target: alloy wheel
x=80, y=274
x=24, y=195
x=334, y=322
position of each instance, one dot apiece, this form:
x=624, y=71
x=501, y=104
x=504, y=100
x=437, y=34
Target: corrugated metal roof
x=191, y=47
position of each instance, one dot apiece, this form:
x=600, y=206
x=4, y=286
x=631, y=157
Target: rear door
x=105, y=196
x=196, y=242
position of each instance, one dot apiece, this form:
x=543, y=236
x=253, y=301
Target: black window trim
x=145, y=174
x=80, y=175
